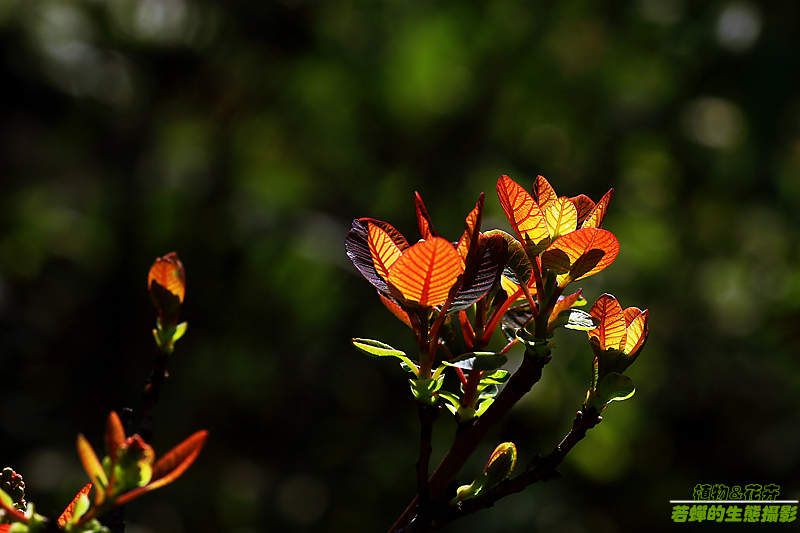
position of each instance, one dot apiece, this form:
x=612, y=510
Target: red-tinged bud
x=167, y=285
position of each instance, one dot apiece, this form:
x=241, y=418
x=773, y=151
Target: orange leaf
x=115, y=435
x=524, y=214
x=565, y=303
x=68, y=513
x=512, y=288
x=471, y=229
x=426, y=229
x=583, y=205
x=168, y=272
x=170, y=467
x=543, y=192
x=610, y=332
x=580, y=254
x=595, y=217
x=396, y=310
x=636, y=329
x=427, y=271
x=383, y=249
x=90, y=462
x=561, y=217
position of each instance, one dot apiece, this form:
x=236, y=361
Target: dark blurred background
x=246, y=136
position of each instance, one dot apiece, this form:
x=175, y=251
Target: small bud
x=166, y=282
x=499, y=467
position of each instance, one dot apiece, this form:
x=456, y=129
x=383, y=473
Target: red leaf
x=168, y=272
x=357, y=246
x=595, y=217
x=66, y=516
x=611, y=331
x=580, y=254
x=636, y=329
x=115, y=435
x=396, y=310
x=565, y=303
x=90, y=462
x=427, y=271
x=524, y=214
x=584, y=205
x=170, y=467
x=383, y=249
x=561, y=217
x=426, y=229
x=543, y=192
x=472, y=228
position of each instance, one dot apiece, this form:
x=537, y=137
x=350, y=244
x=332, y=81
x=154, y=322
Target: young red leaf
x=580, y=254
x=543, y=192
x=561, y=217
x=583, y=205
x=426, y=229
x=69, y=512
x=170, y=467
x=491, y=255
x=115, y=435
x=636, y=329
x=358, y=250
x=567, y=302
x=610, y=332
x=524, y=214
x=383, y=249
x=90, y=462
x=595, y=217
x=427, y=271
x=396, y=310
x=168, y=272
x=472, y=228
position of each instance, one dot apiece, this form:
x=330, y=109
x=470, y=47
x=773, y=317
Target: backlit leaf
x=396, y=310
x=69, y=512
x=567, y=302
x=595, y=217
x=615, y=387
x=561, y=217
x=636, y=329
x=490, y=258
x=525, y=215
x=171, y=466
x=580, y=254
x=611, y=331
x=583, y=205
x=518, y=266
x=543, y=192
x=90, y=462
x=357, y=246
x=168, y=272
x=472, y=227
x=115, y=435
x=383, y=249
x=427, y=271
x=376, y=348
x=478, y=361
x=426, y=229
x=574, y=319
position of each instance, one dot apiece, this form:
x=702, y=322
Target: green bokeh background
x=246, y=135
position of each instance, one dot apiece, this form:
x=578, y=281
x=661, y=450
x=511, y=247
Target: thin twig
x=469, y=436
